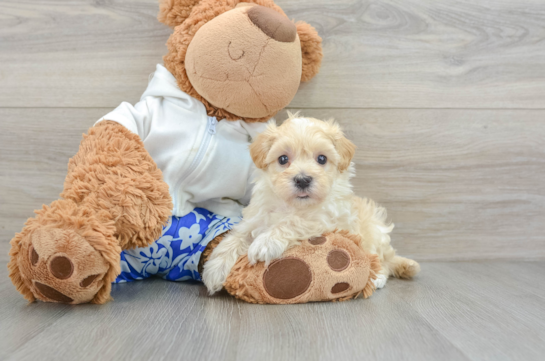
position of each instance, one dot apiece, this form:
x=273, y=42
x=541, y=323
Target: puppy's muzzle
x=302, y=182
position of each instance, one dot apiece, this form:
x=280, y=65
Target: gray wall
x=445, y=101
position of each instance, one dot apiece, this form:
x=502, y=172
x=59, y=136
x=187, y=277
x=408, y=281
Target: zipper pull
x=212, y=125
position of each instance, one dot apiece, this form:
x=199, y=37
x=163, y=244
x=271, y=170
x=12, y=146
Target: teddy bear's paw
x=328, y=268
x=59, y=265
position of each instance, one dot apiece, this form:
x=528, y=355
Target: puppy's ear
x=346, y=150
x=344, y=147
x=260, y=147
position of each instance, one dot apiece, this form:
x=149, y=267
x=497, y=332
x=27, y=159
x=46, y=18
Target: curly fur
x=113, y=171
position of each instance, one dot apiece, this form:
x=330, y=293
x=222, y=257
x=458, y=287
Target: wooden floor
x=446, y=103
x=453, y=311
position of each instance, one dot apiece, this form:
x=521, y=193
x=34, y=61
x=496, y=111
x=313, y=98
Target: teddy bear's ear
x=174, y=12
x=311, y=49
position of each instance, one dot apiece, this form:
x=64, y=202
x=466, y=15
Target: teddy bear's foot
x=64, y=255
x=328, y=268
x=62, y=267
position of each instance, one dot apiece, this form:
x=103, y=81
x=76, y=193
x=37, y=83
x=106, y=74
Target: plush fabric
x=256, y=77
x=219, y=47
x=114, y=198
x=174, y=12
x=330, y=268
x=113, y=172
x=79, y=235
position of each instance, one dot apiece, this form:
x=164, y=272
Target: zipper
x=208, y=134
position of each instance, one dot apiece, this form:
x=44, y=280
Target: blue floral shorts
x=175, y=256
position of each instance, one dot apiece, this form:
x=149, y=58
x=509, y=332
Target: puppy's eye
x=283, y=159
x=322, y=159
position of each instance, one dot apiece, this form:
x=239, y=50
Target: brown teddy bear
x=155, y=186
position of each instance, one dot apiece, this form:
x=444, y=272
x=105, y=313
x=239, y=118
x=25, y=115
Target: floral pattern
x=175, y=256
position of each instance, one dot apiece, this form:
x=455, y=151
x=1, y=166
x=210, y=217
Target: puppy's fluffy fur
x=304, y=198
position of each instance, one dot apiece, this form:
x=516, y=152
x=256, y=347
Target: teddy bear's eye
x=283, y=159
x=322, y=159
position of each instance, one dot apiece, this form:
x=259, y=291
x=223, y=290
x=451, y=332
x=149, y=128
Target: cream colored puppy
x=302, y=190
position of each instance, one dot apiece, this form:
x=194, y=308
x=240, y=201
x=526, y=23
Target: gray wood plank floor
x=453, y=311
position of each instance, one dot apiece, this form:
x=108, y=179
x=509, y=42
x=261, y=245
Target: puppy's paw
x=265, y=249
x=215, y=273
x=380, y=281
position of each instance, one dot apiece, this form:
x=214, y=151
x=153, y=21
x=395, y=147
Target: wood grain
x=378, y=54
x=458, y=184
x=473, y=307
x=452, y=311
x=337, y=331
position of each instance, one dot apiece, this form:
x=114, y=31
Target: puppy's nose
x=273, y=24
x=302, y=182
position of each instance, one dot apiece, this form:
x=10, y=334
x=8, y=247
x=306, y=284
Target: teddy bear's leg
x=114, y=199
x=328, y=268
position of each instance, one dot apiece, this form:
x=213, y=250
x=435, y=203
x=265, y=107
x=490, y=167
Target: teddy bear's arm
x=113, y=172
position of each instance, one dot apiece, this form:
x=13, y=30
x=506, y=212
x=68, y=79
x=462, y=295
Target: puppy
x=302, y=189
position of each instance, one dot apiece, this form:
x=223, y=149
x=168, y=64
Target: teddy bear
x=155, y=186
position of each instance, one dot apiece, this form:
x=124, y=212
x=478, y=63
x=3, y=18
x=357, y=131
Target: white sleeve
x=136, y=118
x=253, y=129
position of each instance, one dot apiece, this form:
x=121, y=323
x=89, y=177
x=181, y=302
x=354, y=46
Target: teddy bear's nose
x=273, y=24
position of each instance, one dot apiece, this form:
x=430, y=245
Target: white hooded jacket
x=205, y=163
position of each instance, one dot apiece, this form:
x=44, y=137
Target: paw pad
x=338, y=260
x=52, y=293
x=61, y=267
x=316, y=241
x=87, y=281
x=340, y=287
x=34, y=257
x=291, y=269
